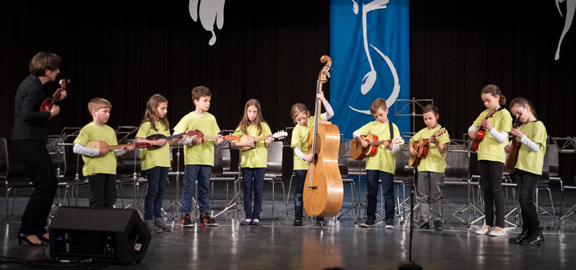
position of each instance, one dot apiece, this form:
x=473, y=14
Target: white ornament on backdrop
x=210, y=12
x=370, y=77
x=570, y=7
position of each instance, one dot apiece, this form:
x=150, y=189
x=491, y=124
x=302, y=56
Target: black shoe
x=422, y=224
x=298, y=218
x=438, y=225
x=534, y=239
x=24, y=237
x=368, y=224
x=186, y=221
x=42, y=238
x=518, y=239
x=319, y=219
x=206, y=220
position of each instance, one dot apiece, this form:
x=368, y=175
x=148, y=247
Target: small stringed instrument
x=155, y=137
x=49, y=102
x=281, y=134
x=103, y=144
x=480, y=131
x=357, y=152
x=196, y=133
x=422, y=147
x=514, y=148
x=323, y=189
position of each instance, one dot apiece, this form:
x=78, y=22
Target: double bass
x=323, y=189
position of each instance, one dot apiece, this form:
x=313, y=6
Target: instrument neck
x=120, y=146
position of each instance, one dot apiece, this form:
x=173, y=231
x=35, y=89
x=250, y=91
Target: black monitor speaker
x=119, y=235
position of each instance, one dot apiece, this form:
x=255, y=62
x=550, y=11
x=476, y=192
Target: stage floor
x=341, y=243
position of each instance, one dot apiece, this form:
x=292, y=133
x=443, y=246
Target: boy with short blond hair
x=100, y=171
x=431, y=169
x=199, y=157
x=382, y=165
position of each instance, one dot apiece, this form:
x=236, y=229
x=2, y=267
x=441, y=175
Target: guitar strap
x=391, y=128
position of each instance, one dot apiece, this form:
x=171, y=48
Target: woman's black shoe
x=42, y=238
x=24, y=237
x=518, y=239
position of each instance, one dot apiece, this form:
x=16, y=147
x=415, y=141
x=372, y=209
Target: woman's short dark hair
x=44, y=61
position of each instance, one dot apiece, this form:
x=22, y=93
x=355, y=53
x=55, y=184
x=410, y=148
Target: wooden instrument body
x=478, y=140
x=323, y=189
x=103, y=144
x=47, y=103
x=422, y=147
x=247, y=138
x=480, y=132
x=156, y=137
x=358, y=152
x=512, y=155
x=513, y=151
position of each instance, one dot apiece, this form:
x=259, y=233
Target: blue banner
x=370, y=51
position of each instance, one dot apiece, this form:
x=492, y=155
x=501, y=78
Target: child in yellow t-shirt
x=532, y=134
x=304, y=122
x=100, y=171
x=383, y=164
x=155, y=162
x=254, y=160
x=431, y=169
x=491, y=156
x=198, y=157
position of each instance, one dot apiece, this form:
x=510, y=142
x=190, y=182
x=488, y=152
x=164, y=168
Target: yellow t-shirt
x=155, y=158
x=528, y=160
x=490, y=149
x=384, y=160
x=256, y=157
x=105, y=164
x=202, y=154
x=300, y=136
x=434, y=161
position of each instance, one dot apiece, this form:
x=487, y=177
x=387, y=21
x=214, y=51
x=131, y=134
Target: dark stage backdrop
x=127, y=51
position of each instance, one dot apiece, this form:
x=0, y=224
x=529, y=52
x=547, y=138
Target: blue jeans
x=256, y=176
x=526, y=188
x=387, y=188
x=300, y=179
x=191, y=174
x=157, y=178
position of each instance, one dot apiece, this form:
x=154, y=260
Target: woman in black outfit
x=29, y=143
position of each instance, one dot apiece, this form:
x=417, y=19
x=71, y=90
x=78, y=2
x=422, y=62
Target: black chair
x=343, y=157
x=221, y=170
x=12, y=184
x=274, y=170
x=458, y=174
x=550, y=172
x=403, y=176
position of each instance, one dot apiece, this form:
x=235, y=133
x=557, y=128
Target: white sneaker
x=485, y=230
x=497, y=232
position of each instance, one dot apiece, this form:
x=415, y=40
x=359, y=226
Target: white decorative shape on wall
x=210, y=12
x=570, y=7
x=370, y=77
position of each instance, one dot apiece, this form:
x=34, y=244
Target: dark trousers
x=193, y=173
x=43, y=176
x=300, y=179
x=491, y=182
x=388, y=190
x=253, y=180
x=102, y=190
x=526, y=188
x=157, y=178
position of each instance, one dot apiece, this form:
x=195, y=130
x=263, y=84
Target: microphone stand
x=406, y=265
